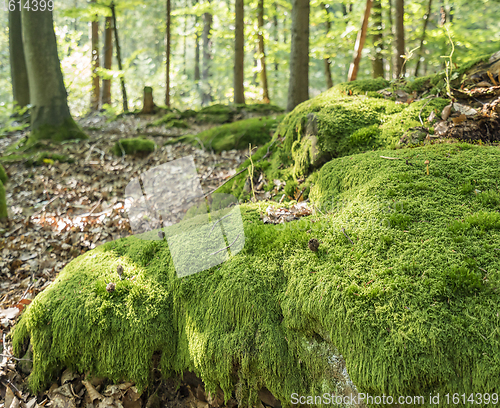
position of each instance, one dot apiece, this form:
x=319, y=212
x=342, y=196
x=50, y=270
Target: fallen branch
x=389, y=158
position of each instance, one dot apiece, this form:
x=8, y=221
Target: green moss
x=69, y=130
x=133, y=146
x=41, y=158
x=239, y=134
x=3, y=202
x=263, y=108
x=411, y=304
x=170, y=120
x=3, y=175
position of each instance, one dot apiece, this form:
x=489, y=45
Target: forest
x=249, y=203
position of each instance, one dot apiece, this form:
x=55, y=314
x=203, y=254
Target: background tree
x=378, y=40
x=326, y=59
x=262, y=52
x=400, y=38
x=206, y=97
x=167, y=51
x=19, y=74
x=360, y=43
x=420, y=51
x=108, y=60
x=298, y=85
x=239, y=52
x=96, y=81
x=50, y=116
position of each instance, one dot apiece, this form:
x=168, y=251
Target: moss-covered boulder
x=170, y=120
x=219, y=114
x=134, y=146
x=236, y=135
x=404, y=287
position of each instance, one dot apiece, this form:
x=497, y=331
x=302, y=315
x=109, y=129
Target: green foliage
x=3, y=175
x=3, y=202
x=390, y=293
x=170, y=120
x=360, y=87
x=133, y=146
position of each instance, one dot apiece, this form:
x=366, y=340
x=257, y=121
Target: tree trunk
x=184, y=43
x=326, y=60
x=400, y=38
x=360, y=43
x=206, y=92
x=422, y=39
x=50, y=116
x=378, y=38
x=298, y=87
x=148, y=106
x=391, y=42
x=18, y=72
x=239, y=52
x=108, y=59
x=96, y=83
x=167, y=52
x=276, y=33
x=119, y=59
x=263, y=71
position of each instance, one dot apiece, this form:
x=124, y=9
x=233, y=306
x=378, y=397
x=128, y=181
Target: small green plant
x=449, y=65
x=489, y=198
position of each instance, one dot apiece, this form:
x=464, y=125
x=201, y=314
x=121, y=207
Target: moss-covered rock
x=133, y=146
x=219, y=113
x=170, y=120
x=411, y=303
x=236, y=135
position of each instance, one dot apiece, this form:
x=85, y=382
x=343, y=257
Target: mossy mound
x=336, y=124
x=411, y=303
x=133, y=146
x=236, y=135
x=170, y=120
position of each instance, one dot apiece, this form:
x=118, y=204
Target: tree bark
x=197, y=51
x=108, y=59
x=119, y=59
x=18, y=71
x=400, y=38
x=360, y=43
x=298, y=87
x=422, y=39
x=96, y=83
x=262, y=53
x=50, y=116
x=276, y=33
x=206, y=93
x=148, y=106
x=378, y=38
x=239, y=52
x=392, y=41
x=167, y=52
x=326, y=60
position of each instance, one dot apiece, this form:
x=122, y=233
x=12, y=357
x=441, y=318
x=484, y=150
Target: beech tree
x=206, y=95
x=108, y=59
x=96, y=83
x=167, y=52
x=239, y=52
x=377, y=37
x=360, y=43
x=400, y=37
x=262, y=52
x=50, y=115
x=298, y=86
x=19, y=74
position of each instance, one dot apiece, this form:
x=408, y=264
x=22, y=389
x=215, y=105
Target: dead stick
x=15, y=358
x=347, y=236
x=389, y=158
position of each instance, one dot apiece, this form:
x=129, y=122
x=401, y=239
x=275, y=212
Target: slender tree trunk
x=207, y=58
x=167, y=52
x=119, y=59
x=422, y=39
x=96, y=82
x=326, y=60
x=360, y=43
x=262, y=52
x=298, y=88
x=18, y=71
x=392, y=41
x=108, y=59
x=400, y=38
x=239, y=52
x=276, y=34
x=197, y=50
x=50, y=116
x=184, y=43
x=378, y=40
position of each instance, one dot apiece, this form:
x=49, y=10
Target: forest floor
x=59, y=211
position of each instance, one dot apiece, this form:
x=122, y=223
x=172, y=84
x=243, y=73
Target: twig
x=46, y=205
x=420, y=113
x=16, y=392
x=199, y=141
x=229, y=246
x=347, y=236
x=95, y=206
x=15, y=358
x=219, y=220
x=300, y=195
x=228, y=180
x=389, y=158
